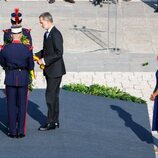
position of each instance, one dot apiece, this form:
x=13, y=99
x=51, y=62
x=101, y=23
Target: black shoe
x=21, y=135
x=70, y=1
x=57, y=124
x=48, y=126
x=51, y=1
x=156, y=10
x=11, y=135
x=96, y=3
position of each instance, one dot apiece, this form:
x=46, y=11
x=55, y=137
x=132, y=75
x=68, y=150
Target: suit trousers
x=52, y=98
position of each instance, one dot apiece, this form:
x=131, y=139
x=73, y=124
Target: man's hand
x=39, y=62
x=152, y=97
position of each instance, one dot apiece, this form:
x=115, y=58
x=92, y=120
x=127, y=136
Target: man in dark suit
x=52, y=57
x=17, y=60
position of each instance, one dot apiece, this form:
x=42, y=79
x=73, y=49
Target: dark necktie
x=47, y=34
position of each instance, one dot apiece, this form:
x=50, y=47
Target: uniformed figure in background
x=17, y=61
x=16, y=20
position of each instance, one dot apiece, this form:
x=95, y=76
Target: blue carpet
x=91, y=127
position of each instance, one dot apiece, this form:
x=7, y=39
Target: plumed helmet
x=16, y=17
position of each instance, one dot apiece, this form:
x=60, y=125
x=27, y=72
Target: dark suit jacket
x=16, y=55
x=52, y=53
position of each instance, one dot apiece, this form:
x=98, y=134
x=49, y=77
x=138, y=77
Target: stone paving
x=137, y=25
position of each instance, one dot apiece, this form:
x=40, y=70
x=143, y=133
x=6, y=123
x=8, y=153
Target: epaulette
x=5, y=31
x=1, y=47
x=27, y=30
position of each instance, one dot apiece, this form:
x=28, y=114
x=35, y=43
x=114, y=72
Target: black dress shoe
x=47, y=126
x=57, y=124
x=156, y=10
x=11, y=135
x=51, y=1
x=21, y=135
x=70, y=1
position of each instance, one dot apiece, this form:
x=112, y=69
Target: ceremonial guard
x=16, y=20
x=17, y=61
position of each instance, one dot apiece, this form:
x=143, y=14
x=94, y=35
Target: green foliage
x=81, y=88
x=9, y=40
x=103, y=90
x=145, y=64
x=24, y=40
x=31, y=83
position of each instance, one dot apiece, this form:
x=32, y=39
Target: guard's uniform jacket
x=17, y=60
x=25, y=32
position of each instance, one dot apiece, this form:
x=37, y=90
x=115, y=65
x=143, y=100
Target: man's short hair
x=46, y=16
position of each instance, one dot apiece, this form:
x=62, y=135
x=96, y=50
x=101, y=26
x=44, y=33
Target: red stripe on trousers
x=26, y=111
